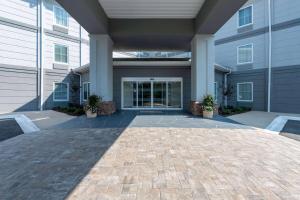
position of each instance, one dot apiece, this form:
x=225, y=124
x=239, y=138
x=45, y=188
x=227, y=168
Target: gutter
x=270, y=55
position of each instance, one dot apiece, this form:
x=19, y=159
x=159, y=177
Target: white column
x=101, y=70
x=203, y=59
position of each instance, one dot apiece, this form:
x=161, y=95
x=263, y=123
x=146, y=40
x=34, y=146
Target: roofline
x=134, y=63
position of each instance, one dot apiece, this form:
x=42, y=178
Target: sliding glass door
x=151, y=93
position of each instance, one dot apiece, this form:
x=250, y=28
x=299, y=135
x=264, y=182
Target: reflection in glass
x=129, y=94
x=174, y=94
x=144, y=96
x=159, y=94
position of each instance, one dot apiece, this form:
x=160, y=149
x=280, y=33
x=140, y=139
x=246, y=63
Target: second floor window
x=245, y=54
x=245, y=16
x=61, y=53
x=61, y=17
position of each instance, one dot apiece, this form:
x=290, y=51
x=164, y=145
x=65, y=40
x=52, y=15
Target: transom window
x=245, y=92
x=216, y=91
x=61, y=17
x=245, y=54
x=61, y=92
x=245, y=16
x=86, y=91
x=61, y=54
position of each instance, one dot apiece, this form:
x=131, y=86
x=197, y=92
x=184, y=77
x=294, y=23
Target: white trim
x=54, y=17
x=60, y=100
x=238, y=91
x=68, y=57
x=279, y=122
x=84, y=83
x=238, y=55
x=24, y=122
x=153, y=63
x=238, y=16
x=151, y=80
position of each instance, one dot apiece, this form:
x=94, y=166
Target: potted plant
x=91, y=107
x=208, y=106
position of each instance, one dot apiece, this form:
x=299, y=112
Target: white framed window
x=60, y=91
x=86, y=90
x=245, y=16
x=245, y=54
x=216, y=91
x=60, y=17
x=245, y=92
x=61, y=54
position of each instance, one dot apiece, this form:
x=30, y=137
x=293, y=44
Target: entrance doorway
x=152, y=93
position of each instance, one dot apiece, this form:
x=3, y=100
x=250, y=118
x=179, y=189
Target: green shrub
x=208, y=100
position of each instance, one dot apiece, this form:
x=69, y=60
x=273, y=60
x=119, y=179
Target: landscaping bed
x=74, y=110
x=230, y=110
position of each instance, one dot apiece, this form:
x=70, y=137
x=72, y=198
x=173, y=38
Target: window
x=245, y=54
x=61, y=54
x=216, y=91
x=61, y=92
x=245, y=92
x=86, y=91
x=61, y=17
x=245, y=16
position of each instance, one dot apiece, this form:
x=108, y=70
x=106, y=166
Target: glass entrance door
x=159, y=94
x=144, y=94
x=151, y=93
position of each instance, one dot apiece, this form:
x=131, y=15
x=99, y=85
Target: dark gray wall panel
x=122, y=71
x=52, y=76
x=219, y=78
x=285, y=96
x=258, y=77
x=18, y=88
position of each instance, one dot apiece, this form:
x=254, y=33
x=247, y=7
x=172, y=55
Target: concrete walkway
x=196, y=159
x=258, y=119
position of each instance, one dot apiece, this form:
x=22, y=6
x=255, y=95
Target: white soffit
x=136, y=9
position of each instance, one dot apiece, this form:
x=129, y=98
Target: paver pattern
x=172, y=163
x=212, y=160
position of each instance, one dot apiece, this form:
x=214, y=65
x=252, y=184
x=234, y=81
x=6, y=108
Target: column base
x=106, y=108
x=196, y=108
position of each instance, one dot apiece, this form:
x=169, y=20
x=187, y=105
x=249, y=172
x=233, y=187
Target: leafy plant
x=208, y=103
x=208, y=108
x=92, y=103
x=208, y=100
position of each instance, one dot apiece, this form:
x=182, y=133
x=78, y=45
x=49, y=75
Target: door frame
x=152, y=79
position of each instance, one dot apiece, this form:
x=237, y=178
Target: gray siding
x=286, y=89
x=184, y=72
x=60, y=75
x=258, y=77
x=18, y=90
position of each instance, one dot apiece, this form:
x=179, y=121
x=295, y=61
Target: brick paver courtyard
x=223, y=161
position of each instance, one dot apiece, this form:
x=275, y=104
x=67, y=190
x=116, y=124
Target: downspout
x=80, y=85
x=270, y=56
x=40, y=58
x=226, y=86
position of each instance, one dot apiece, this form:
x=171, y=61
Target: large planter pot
x=208, y=114
x=90, y=114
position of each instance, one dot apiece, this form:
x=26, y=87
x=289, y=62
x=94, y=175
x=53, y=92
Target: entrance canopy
x=152, y=25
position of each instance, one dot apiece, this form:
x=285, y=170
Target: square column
x=101, y=70
x=203, y=71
